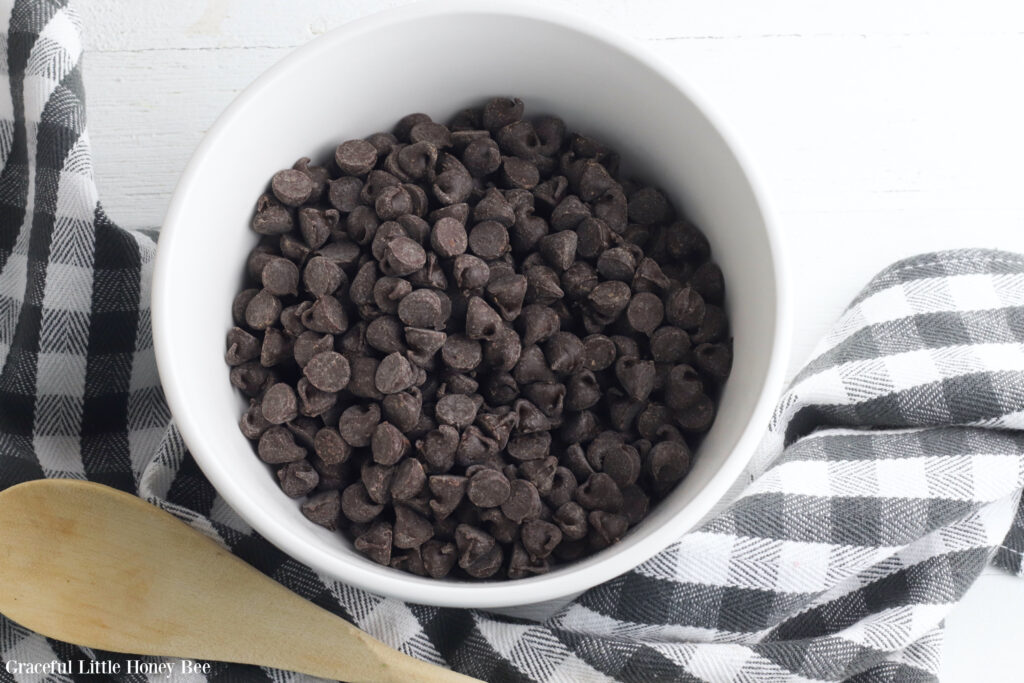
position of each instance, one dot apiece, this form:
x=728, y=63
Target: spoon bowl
x=91, y=565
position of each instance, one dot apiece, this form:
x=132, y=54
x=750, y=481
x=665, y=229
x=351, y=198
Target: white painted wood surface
x=880, y=128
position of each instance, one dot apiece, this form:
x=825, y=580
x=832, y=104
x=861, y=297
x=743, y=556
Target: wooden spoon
x=91, y=565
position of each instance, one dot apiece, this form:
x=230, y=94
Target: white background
x=880, y=129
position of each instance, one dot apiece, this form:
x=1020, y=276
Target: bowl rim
x=465, y=594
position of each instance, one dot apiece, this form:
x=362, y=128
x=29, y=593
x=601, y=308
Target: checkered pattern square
x=889, y=478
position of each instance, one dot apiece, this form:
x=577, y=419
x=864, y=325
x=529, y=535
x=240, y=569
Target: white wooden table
x=881, y=128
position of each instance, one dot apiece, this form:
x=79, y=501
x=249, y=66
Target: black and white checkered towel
x=890, y=477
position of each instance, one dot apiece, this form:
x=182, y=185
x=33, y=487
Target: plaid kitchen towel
x=890, y=476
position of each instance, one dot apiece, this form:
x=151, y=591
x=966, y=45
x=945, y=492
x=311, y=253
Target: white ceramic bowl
x=440, y=58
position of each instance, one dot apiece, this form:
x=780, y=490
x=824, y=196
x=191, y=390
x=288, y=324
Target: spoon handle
x=88, y=564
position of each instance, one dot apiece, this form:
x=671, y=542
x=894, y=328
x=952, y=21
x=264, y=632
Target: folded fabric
x=889, y=478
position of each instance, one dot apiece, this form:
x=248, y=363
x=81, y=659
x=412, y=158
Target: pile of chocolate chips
x=474, y=349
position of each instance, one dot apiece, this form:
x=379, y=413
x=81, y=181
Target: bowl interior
x=361, y=79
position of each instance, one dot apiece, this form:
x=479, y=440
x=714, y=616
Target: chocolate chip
x=425, y=341
x=438, y=558
x=540, y=473
x=683, y=387
x=476, y=448
x=482, y=321
x=357, y=424
x=328, y=371
x=393, y=201
x=488, y=240
x=280, y=404
x=436, y=134
x=277, y=445
x=272, y=218
x=240, y=303
x=647, y=205
x=322, y=276
x=470, y=272
x=355, y=157
x=609, y=299
x=599, y=492
x=326, y=315
x=403, y=256
x=411, y=530
x=309, y=344
x=684, y=241
x=571, y=520
x=438, y=448
x=481, y=157
x=521, y=565
x=606, y=528
x=670, y=345
x=251, y=378
x=579, y=427
x=312, y=401
x=343, y=193
x=376, y=542
x=500, y=389
x=543, y=285
x=292, y=187
x=377, y=480
x=530, y=446
x=280, y=277
x=537, y=323
x=667, y=463
x=402, y=409
x=582, y=391
x=523, y=502
x=457, y=410
x=263, y=310
x=252, y=423
x=549, y=397
x=493, y=206
x=636, y=377
x=645, y=312
x=698, y=416
x=452, y=186
x=323, y=508
x=559, y=249
x=330, y=447
x=622, y=464
x=564, y=353
x=479, y=554
x=685, y=308
x=388, y=444
x=713, y=328
x=500, y=112
x=713, y=360
x=242, y=347
x=617, y=263
x=540, y=538
x=635, y=504
x=448, y=237
x=421, y=308
x=503, y=351
x=448, y=491
x=532, y=367
x=563, y=487
x=410, y=480
x=461, y=353
x=394, y=374
x=508, y=294
x=488, y=488
x=297, y=478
